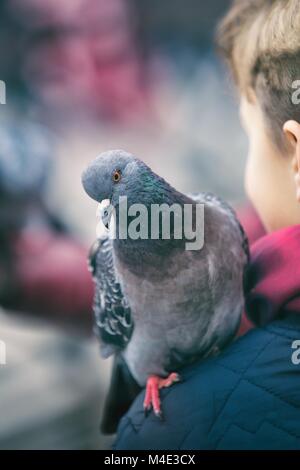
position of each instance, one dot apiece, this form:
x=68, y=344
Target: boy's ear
x=291, y=130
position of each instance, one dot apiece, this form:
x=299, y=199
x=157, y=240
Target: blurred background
x=84, y=76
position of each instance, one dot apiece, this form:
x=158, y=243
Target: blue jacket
x=247, y=398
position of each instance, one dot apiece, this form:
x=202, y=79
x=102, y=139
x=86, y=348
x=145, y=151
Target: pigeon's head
x=113, y=174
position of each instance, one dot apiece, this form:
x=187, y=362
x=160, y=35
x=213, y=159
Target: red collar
x=273, y=277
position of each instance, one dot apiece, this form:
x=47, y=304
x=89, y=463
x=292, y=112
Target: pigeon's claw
x=152, y=398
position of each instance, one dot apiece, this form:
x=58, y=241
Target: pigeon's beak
x=106, y=216
x=104, y=212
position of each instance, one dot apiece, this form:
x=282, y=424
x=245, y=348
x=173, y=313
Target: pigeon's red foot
x=154, y=383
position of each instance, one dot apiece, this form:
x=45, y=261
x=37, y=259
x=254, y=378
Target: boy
x=249, y=396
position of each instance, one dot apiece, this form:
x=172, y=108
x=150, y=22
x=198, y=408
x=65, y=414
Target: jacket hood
x=272, y=281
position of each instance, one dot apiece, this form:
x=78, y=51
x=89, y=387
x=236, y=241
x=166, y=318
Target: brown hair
x=260, y=39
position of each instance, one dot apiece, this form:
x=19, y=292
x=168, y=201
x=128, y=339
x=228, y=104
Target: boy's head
x=260, y=39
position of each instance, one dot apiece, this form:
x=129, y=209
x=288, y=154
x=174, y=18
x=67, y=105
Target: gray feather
x=113, y=321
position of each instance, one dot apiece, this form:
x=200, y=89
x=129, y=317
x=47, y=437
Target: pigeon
x=158, y=305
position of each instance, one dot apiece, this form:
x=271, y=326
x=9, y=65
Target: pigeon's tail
x=122, y=391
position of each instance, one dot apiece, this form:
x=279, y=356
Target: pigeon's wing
x=211, y=198
x=114, y=326
x=113, y=320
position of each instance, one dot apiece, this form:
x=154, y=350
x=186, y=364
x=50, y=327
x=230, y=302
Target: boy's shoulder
x=232, y=401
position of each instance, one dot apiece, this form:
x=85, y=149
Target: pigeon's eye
x=116, y=176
